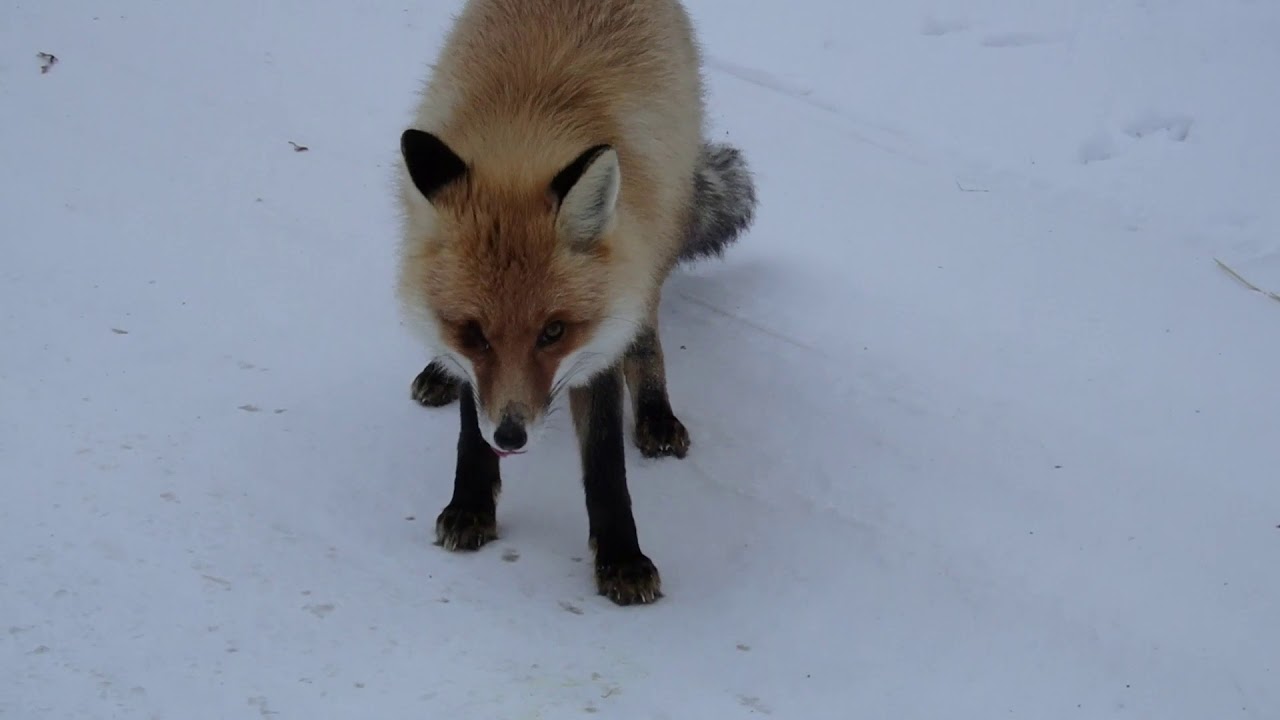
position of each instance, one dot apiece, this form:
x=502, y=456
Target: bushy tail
x=724, y=202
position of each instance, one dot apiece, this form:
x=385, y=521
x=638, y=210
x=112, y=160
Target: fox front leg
x=623, y=573
x=470, y=519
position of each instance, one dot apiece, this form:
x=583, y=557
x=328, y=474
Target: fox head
x=517, y=283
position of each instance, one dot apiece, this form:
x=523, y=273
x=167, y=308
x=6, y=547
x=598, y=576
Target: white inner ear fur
x=588, y=209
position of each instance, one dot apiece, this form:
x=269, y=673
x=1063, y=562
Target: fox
x=556, y=170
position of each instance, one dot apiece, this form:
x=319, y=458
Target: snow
x=981, y=429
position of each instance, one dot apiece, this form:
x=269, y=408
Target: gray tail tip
x=724, y=201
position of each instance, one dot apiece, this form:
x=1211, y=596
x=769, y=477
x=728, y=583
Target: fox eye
x=474, y=337
x=553, y=331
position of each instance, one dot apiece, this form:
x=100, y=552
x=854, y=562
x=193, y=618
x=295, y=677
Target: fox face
x=517, y=285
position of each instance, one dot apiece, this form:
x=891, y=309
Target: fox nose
x=510, y=435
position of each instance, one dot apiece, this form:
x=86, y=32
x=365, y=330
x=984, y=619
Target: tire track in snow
x=856, y=128
x=750, y=324
x=946, y=158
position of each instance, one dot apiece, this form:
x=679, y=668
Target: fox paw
x=433, y=387
x=463, y=529
x=660, y=433
x=631, y=581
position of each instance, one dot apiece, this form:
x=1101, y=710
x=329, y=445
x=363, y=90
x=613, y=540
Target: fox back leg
x=658, y=432
x=433, y=387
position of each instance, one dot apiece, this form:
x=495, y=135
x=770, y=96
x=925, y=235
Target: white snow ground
x=981, y=429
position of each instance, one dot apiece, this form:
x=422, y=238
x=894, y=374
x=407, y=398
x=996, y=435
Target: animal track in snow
x=1105, y=145
x=937, y=27
x=1096, y=149
x=1176, y=125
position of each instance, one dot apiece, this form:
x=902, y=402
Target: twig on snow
x=1246, y=283
x=962, y=188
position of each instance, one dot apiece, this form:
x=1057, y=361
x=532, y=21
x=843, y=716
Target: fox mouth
x=507, y=453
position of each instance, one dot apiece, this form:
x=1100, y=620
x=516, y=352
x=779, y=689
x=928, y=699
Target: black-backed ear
x=431, y=164
x=586, y=191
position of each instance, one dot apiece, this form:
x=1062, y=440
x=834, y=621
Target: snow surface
x=981, y=429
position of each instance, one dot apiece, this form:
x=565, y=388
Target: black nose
x=510, y=435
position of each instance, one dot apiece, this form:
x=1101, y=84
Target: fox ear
x=431, y=164
x=587, y=195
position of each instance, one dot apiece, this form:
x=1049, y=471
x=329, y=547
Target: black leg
x=658, y=432
x=434, y=387
x=470, y=519
x=623, y=573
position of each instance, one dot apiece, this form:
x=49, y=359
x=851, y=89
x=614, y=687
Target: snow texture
x=981, y=429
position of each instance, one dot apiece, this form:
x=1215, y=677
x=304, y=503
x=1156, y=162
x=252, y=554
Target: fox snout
x=510, y=435
x=508, y=428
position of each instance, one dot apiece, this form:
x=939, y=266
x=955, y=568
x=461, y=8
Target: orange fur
x=522, y=88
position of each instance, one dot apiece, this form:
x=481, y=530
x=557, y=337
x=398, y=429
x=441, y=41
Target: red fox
x=554, y=175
